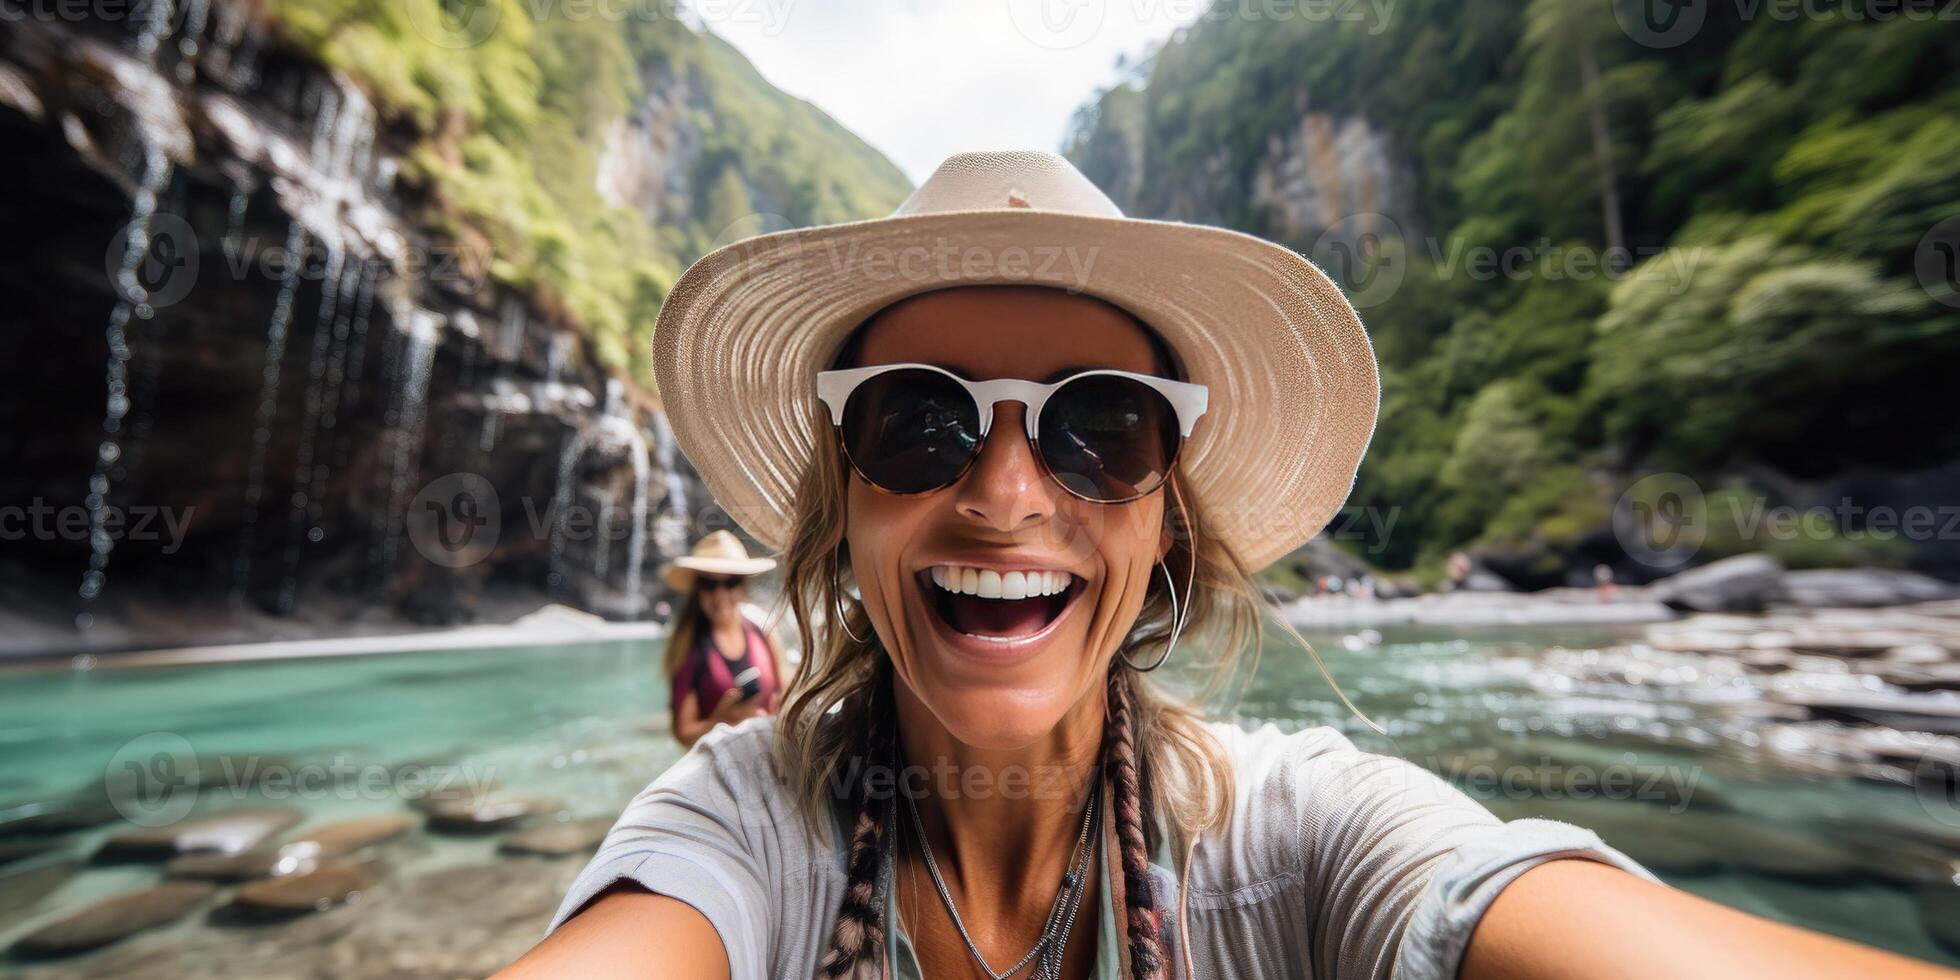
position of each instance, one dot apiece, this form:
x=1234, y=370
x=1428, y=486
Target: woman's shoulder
x=1315, y=780
x=1265, y=753
x=730, y=767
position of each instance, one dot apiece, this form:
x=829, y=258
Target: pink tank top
x=709, y=674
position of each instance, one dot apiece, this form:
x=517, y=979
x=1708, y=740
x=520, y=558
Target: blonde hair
x=838, y=720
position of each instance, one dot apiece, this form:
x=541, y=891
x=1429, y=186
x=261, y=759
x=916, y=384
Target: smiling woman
x=1024, y=497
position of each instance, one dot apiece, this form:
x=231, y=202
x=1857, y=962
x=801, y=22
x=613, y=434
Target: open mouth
x=995, y=605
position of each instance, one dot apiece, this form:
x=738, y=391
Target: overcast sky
x=922, y=79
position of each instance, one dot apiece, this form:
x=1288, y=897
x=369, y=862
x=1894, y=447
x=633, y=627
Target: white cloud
x=920, y=80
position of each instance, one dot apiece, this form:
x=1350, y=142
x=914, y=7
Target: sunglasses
x=703, y=583
x=1106, y=436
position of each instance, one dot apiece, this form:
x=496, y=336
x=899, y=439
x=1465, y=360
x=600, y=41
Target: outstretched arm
x=628, y=931
x=1569, y=918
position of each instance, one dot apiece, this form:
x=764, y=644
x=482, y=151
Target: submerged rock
x=116, y=918
x=264, y=862
x=348, y=836
x=1939, y=909
x=312, y=891
x=23, y=848
x=23, y=889
x=229, y=831
x=301, y=854
x=471, y=817
x=559, y=839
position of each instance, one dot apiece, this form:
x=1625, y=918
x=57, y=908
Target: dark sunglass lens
x=1108, y=438
x=910, y=431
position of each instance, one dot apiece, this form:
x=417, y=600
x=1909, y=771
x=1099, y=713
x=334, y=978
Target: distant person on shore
x=724, y=667
x=1459, y=570
x=1603, y=582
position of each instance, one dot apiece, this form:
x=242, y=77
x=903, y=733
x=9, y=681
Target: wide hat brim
x=679, y=573
x=1294, y=390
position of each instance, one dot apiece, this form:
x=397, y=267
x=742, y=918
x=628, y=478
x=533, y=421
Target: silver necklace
x=1068, y=901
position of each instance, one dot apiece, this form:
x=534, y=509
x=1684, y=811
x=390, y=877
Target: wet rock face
x=258, y=388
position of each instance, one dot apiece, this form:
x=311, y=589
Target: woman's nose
x=1006, y=489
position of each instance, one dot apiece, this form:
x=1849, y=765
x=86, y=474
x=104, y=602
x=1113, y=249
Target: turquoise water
x=582, y=723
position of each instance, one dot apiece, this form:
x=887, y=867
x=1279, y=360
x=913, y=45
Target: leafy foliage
x=1770, y=182
x=510, y=131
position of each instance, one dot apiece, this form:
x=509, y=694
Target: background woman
x=723, y=666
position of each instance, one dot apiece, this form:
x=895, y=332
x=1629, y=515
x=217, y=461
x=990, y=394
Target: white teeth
x=989, y=584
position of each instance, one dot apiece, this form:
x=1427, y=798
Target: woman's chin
x=999, y=715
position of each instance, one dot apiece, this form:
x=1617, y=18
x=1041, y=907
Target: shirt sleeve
x=695, y=835
x=1398, y=865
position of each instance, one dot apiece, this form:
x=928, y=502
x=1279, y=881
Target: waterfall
x=241, y=199
x=636, y=542
x=675, y=519
x=424, y=333
x=512, y=318
x=350, y=395
x=557, y=582
x=196, y=13
x=155, y=28
x=619, y=425
x=274, y=363
x=329, y=355
x=108, y=453
x=556, y=355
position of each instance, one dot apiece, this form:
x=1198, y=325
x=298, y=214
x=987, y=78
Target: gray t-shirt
x=1333, y=863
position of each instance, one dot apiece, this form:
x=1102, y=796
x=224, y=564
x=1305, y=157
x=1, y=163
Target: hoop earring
x=1179, y=612
x=836, y=576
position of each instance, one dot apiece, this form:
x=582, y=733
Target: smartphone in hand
x=750, y=682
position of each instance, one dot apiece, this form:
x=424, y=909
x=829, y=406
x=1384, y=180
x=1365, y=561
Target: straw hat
x=720, y=553
x=1294, y=389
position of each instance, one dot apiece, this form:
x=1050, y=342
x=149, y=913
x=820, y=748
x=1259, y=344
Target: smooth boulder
x=1862, y=587
x=471, y=817
x=116, y=918
x=227, y=831
x=558, y=839
x=1744, y=583
x=303, y=853
x=312, y=891
x=24, y=888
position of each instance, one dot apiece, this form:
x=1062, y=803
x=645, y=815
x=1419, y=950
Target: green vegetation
x=509, y=132
x=1772, y=178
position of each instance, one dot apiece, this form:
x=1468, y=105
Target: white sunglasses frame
x=1187, y=400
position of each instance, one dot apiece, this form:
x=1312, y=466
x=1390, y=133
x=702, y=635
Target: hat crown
x=992, y=180
x=720, y=544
